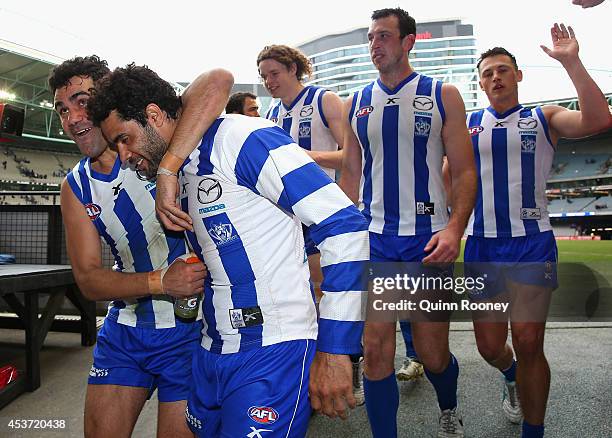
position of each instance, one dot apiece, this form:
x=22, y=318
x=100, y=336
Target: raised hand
x=565, y=45
x=587, y=3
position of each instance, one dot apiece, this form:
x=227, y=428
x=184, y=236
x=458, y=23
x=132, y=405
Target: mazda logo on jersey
x=422, y=103
x=527, y=123
x=306, y=111
x=93, y=211
x=209, y=190
x=475, y=130
x=364, y=111
x=263, y=414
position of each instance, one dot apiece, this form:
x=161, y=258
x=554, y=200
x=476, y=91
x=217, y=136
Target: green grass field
x=582, y=251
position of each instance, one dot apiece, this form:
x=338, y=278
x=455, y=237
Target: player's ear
x=480, y=83
x=519, y=75
x=408, y=42
x=155, y=115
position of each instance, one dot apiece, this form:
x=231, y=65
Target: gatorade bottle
x=186, y=309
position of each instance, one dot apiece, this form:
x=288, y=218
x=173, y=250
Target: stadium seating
x=567, y=166
x=35, y=166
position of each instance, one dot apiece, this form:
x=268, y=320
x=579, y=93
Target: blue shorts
x=528, y=260
x=147, y=358
x=309, y=245
x=390, y=248
x=260, y=392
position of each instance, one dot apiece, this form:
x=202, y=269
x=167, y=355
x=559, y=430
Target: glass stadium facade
x=445, y=50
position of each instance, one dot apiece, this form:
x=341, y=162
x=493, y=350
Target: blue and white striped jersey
x=514, y=156
x=400, y=133
x=305, y=122
x=247, y=186
x=122, y=208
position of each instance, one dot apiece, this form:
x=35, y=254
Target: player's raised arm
x=203, y=101
x=350, y=176
x=460, y=158
x=594, y=115
x=332, y=109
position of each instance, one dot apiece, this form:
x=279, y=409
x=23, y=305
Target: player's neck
x=394, y=77
x=104, y=162
x=502, y=105
x=292, y=94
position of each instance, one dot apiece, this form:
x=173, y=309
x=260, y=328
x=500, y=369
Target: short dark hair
x=287, y=55
x=91, y=66
x=407, y=24
x=128, y=91
x=494, y=52
x=235, y=104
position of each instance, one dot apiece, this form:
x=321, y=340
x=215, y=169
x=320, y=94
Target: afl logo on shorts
x=93, y=211
x=475, y=130
x=364, y=111
x=263, y=414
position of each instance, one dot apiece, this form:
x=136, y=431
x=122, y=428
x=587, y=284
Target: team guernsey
x=514, y=155
x=305, y=122
x=122, y=208
x=399, y=130
x=247, y=187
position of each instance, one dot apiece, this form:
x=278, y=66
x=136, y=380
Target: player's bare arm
x=98, y=283
x=594, y=115
x=332, y=109
x=203, y=101
x=350, y=175
x=445, y=244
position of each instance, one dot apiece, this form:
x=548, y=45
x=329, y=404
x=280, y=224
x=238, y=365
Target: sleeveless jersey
x=305, y=122
x=514, y=155
x=122, y=208
x=247, y=187
x=400, y=133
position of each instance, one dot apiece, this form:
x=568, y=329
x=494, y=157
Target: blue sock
x=445, y=384
x=382, y=402
x=510, y=372
x=531, y=431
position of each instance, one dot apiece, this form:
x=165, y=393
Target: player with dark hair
x=247, y=186
x=243, y=103
x=398, y=129
x=142, y=346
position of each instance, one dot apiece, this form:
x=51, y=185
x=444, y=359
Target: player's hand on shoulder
x=184, y=279
x=168, y=211
x=331, y=387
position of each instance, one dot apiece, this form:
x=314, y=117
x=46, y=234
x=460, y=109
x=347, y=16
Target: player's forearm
x=349, y=183
x=595, y=114
x=329, y=159
x=202, y=103
x=103, y=284
x=463, y=198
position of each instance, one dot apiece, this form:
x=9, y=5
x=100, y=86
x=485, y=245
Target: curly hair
x=494, y=52
x=287, y=55
x=91, y=66
x=407, y=24
x=128, y=91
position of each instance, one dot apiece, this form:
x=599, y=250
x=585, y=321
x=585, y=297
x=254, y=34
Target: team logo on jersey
x=306, y=111
x=422, y=126
x=527, y=123
x=209, y=190
x=364, y=111
x=222, y=233
x=263, y=414
x=528, y=144
x=304, y=130
x=475, y=130
x=425, y=208
x=246, y=317
x=93, y=211
x=422, y=103
x=531, y=213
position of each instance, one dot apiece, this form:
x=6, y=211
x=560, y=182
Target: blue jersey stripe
x=84, y=183
x=287, y=122
x=475, y=121
x=421, y=169
x=205, y=167
x=342, y=221
x=208, y=313
x=528, y=179
x=344, y=276
x=320, y=105
x=362, y=133
x=391, y=169
x=240, y=274
x=174, y=239
x=305, y=126
x=75, y=187
x=340, y=336
x=439, y=100
x=500, y=179
x=132, y=222
x=110, y=241
x=544, y=123
x=255, y=152
x=353, y=104
x=303, y=181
